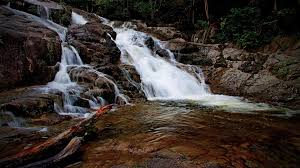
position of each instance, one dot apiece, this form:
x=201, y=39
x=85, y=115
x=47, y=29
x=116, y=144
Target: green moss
x=51, y=52
x=283, y=69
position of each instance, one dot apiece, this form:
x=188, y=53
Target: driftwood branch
x=53, y=145
x=61, y=158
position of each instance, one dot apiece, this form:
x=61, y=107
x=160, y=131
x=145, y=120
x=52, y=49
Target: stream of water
x=183, y=124
x=69, y=58
x=163, y=80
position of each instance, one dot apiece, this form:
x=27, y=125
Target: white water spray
x=69, y=58
x=166, y=80
x=78, y=19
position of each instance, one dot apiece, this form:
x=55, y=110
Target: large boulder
x=269, y=77
x=28, y=50
x=45, y=9
x=94, y=43
x=29, y=101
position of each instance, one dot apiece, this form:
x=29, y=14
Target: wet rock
x=249, y=66
x=94, y=44
x=193, y=59
x=163, y=53
x=267, y=86
x=29, y=102
x=233, y=79
x=56, y=12
x=106, y=94
x=82, y=102
x=29, y=50
x=149, y=42
x=94, y=84
x=29, y=107
x=162, y=33
x=49, y=119
x=232, y=54
x=217, y=58
x=182, y=46
x=283, y=66
x=127, y=79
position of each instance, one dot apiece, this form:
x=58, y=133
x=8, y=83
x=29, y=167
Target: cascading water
x=160, y=78
x=69, y=58
x=44, y=12
x=168, y=80
x=78, y=19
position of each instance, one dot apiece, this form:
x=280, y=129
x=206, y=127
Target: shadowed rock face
x=28, y=51
x=94, y=44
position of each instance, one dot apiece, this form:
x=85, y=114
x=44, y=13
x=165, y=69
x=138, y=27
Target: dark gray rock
x=28, y=51
x=94, y=43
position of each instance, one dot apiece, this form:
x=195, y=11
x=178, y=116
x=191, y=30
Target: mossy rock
x=286, y=70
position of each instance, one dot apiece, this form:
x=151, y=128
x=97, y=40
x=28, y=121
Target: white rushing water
x=78, y=19
x=70, y=58
x=166, y=80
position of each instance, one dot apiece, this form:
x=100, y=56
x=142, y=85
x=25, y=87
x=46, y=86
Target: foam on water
x=78, y=19
x=69, y=58
x=168, y=80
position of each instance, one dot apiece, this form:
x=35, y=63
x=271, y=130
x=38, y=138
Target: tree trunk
x=206, y=9
x=193, y=12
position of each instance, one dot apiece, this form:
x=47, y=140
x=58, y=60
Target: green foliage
x=247, y=28
x=103, y=2
x=249, y=39
x=286, y=12
x=242, y=27
x=143, y=7
x=202, y=24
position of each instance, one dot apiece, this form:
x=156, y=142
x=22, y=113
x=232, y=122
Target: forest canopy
x=248, y=23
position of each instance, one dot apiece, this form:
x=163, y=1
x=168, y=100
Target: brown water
x=175, y=135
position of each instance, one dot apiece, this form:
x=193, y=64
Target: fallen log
x=61, y=158
x=53, y=145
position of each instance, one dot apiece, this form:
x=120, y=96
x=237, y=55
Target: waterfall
x=69, y=58
x=78, y=19
x=9, y=119
x=44, y=12
x=166, y=79
x=160, y=78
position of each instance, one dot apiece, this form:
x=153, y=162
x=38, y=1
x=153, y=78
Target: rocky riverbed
x=214, y=131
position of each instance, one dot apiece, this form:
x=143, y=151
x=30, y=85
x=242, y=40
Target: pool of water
x=180, y=134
